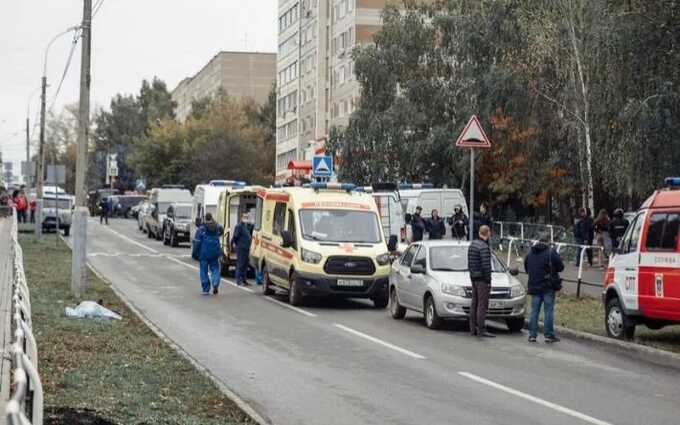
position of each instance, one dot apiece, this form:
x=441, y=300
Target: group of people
x=25, y=209
x=436, y=229
x=207, y=250
x=606, y=233
x=543, y=266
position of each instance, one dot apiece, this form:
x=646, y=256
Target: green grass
x=587, y=314
x=118, y=371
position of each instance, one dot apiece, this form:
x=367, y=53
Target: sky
x=132, y=40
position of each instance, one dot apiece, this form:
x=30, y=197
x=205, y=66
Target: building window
x=288, y=18
x=286, y=47
x=283, y=159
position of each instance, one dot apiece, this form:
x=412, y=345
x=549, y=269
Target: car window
x=258, y=213
x=408, y=255
x=279, y=217
x=662, y=234
x=632, y=243
x=291, y=227
x=421, y=257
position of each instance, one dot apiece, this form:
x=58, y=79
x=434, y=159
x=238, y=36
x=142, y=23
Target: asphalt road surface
x=348, y=363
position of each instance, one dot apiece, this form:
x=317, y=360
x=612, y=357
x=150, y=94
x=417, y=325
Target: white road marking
x=536, y=400
x=290, y=307
x=141, y=245
x=381, y=342
x=223, y=280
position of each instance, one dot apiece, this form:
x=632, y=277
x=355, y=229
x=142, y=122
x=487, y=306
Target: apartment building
x=316, y=87
x=239, y=74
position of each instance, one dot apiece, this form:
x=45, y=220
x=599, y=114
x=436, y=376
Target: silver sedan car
x=431, y=277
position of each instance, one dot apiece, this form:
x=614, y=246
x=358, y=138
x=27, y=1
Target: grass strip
x=110, y=372
x=586, y=314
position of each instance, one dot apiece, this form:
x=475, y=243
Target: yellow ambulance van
x=320, y=240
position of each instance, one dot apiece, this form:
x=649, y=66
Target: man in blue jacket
x=241, y=244
x=206, y=249
x=543, y=265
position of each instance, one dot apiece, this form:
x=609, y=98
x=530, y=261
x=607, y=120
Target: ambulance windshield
x=340, y=226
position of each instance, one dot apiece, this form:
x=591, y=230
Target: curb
x=632, y=350
x=231, y=395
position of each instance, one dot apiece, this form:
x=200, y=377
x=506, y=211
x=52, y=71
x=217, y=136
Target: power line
x=76, y=36
x=96, y=8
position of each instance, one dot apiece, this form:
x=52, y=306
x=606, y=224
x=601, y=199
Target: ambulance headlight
x=383, y=259
x=310, y=256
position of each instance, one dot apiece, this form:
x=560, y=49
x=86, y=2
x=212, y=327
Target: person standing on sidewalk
x=583, y=229
x=479, y=266
x=602, y=236
x=417, y=225
x=617, y=227
x=104, y=211
x=206, y=249
x=459, y=224
x=435, y=226
x=241, y=244
x=543, y=265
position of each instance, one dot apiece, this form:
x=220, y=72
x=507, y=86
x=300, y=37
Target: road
x=347, y=363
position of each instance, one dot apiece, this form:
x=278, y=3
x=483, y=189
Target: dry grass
x=115, y=371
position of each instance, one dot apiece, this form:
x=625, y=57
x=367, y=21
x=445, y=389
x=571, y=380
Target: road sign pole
x=471, y=229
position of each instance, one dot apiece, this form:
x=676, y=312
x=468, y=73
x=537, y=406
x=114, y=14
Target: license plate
x=496, y=305
x=350, y=282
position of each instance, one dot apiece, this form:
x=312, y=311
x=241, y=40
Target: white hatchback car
x=432, y=278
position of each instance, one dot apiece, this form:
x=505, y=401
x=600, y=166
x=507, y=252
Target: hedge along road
x=347, y=363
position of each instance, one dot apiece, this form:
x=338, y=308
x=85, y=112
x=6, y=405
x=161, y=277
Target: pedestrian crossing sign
x=322, y=166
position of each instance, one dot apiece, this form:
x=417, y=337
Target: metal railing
x=520, y=230
x=26, y=404
x=580, y=252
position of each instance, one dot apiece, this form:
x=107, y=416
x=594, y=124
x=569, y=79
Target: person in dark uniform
x=459, y=224
x=617, y=227
x=241, y=244
x=418, y=225
x=435, y=226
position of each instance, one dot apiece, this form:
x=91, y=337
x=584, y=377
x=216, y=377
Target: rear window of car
x=663, y=231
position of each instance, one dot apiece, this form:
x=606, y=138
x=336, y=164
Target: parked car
x=160, y=200
x=176, y=224
x=57, y=209
x=642, y=284
x=432, y=278
x=122, y=204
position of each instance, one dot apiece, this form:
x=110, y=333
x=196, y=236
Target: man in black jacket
x=417, y=225
x=543, y=265
x=435, y=226
x=584, y=231
x=617, y=227
x=479, y=266
x=459, y=224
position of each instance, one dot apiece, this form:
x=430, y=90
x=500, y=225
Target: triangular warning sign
x=322, y=167
x=473, y=135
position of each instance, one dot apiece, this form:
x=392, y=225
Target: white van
x=424, y=195
x=206, y=198
x=160, y=200
x=57, y=209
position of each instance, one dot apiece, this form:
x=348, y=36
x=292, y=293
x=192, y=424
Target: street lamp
x=41, y=152
x=28, y=136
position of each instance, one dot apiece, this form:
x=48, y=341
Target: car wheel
x=396, y=310
x=294, y=293
x=515, y=324
x=618, y=324
x=381, y=301
x=266, y=282
x=432, y=319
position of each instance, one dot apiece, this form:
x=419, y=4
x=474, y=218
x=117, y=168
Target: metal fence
x=520, y=247
x=26, y=404
x=519, y=230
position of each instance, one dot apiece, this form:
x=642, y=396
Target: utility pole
x=40, y=169
x=80, y=214
x=28, y=153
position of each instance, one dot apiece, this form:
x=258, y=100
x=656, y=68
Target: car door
x=418, y=282
x=627, y=264
x=402, y=270
x=276, y=259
